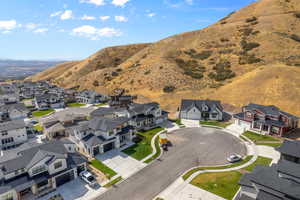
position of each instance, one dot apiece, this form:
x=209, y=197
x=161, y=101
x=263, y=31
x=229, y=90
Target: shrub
x=147, y=72
x=119, y=70
x=297, y=15
x=191, y=68
x=246, y=31
x=255, y=32
x=224, y=40
x=226, y=51
x=169, y=88
x=249, y=46
x=114, y=74
x=96, y=83
x=251, y=19
x=249, y=59
x=202, y=55
x=222, y=71
x=295, y=37
x=228, y=16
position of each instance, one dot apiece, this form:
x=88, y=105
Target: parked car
x=88, y=178
x=234, y=158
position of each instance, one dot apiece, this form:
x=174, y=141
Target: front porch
x=266, y=129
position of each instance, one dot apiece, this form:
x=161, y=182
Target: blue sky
x=74, y=29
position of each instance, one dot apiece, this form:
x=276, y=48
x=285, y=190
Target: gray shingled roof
x=18, y=106
x=12, y=125
x=188, y=103
x=142, y=108
x=290, y=168
x=106, y=124
x=268, y=110
x=290, y=148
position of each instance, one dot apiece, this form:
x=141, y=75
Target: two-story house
x=100, y=135
x=13, y=112
x=40, y=170
x=201, y=110
x=265, y=120
x=12, y=134
x=49, y=100
x=280, y=181
x=90, y=97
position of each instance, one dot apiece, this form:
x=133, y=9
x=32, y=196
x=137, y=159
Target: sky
x=75, y=29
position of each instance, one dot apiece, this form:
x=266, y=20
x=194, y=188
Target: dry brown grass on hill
x=222, y=61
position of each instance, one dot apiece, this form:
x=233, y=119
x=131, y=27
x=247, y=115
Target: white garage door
x=244, y=124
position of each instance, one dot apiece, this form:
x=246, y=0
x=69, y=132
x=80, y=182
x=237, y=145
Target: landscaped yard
x=101, y=104
x=41, y=113
x=142, y=148
x=215, y=123
x=158, y=151
x=260, y=139
x=38, y=127
x=75, y=105
x=223, y=184
x=109, y=173
x=192, y=171
x=113, y=182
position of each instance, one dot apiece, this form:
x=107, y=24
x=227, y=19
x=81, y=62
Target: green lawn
x=38, y=127
x=223, y=184
x=215, y=123
x=259, y=161
x=75, y=105
x=143, y=148
x=42, y=112
x=158, y=151
x=109, y=173
x=101, y=104
x=259, y=138
x=277, y=144
x=113, y=182
x=192, y=171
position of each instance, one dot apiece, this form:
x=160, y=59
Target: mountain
x=251, y=55
x=18, y=69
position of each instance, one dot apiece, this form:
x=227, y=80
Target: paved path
x=191, y=147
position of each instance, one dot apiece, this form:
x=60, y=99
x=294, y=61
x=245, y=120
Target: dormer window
x=58, y=165
x=204, y=108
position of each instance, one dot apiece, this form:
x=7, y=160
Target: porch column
x=101, y=149
x=269, y=130
x=117, y=142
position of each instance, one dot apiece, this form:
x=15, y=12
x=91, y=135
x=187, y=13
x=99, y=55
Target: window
x=214, y=115
x=57, y=165
x=7, y=140
x=4, y=133
x=38, y=170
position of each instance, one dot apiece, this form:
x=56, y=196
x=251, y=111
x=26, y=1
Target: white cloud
x=41, y=30
x=55, y=14
x=95, y=2
x=8, y=25
x=104, y=18
x=31, y=26
x=121, y=19
x=120, y=3
x=94, y=33
x=68, y=14
x=86, y=17
x=190, y=2
x=151, y=14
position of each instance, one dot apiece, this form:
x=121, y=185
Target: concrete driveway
x=191, y=147
x=121, y=163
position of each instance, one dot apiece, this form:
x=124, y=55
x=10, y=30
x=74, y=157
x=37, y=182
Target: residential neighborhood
x=53, y=137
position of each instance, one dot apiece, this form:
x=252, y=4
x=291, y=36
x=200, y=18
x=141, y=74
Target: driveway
x=191, y=147
x=121, y=163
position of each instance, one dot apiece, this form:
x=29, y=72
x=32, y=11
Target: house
x=266, y=120
x=142, y=116
x=9, y=98
x=12, y=133
x=280, y=181
x=201, y=110
x=56, y=126
x=40, y=170
x=13, y=112
x=90, y=97
x=100, y=135
x=121, y=100
x=49, y=101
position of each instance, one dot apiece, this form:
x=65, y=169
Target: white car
x=88, y=178
x=234, y=158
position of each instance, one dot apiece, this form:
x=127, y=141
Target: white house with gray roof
x=39, y=170
x=13, y=112
x=100, y=135
x=12, y=133
x=90, y=97
x=201, y=110
x=49, y=101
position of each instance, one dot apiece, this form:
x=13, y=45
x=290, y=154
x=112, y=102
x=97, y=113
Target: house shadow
x=226, y=116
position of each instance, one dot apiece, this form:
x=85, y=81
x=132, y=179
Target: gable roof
x=268, y=110
x=142, y=108
x=107, y=124
x=12, y=125
x=291, y=148
x=18, y=106
x=186, y=104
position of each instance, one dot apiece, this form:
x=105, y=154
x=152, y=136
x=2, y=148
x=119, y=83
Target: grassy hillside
x=251, y=55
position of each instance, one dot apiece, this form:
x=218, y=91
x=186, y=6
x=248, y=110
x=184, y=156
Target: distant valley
x=20, y=69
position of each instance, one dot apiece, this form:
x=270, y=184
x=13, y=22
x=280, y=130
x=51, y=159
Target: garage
x=108, y=147
x=244, y=124
x=62, y=179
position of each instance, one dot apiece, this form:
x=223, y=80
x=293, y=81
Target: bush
x=114, y=74
x=226, y=51
x=297, y=15
x=202, y=55
x=249, y=59
x=119, y=70
x=169, y=88
x=222, y=71
x=252, y=19
x=147, y=72
x=246, y=31
x=224, y=40
x=96, y=83
x=191, y=68
x=295, y=37
x=249, y=46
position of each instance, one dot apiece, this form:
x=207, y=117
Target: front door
x=108, y=147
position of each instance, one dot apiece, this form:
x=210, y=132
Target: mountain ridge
x=201, y=63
